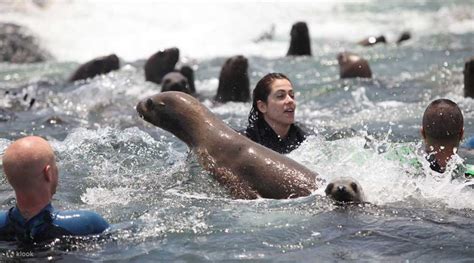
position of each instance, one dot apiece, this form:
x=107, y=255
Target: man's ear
x=422, y=132
x=48, y=173
x=262, y=106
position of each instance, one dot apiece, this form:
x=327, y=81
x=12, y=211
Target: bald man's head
x=29, y=165
x=443, y=122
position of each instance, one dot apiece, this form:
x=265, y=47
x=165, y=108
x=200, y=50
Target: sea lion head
x=175, y=81
x=238, y=64
x=97, y=66
x=345, y=190
x=173, y=111
x=106, y=64
x=234, y=81
x=299, y=30
x=300, y=44
x=165, y=57
x=353, y=66
x=160, y=63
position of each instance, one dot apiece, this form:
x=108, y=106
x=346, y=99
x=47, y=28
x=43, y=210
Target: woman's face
x=281, y=105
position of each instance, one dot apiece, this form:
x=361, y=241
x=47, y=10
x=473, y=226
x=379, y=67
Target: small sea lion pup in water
x=234, y=84
x=248, y=169
x=353, y=66
x=97, y=66
x=175, y=81
x=345, y=190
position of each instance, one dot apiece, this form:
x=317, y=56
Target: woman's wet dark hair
x=261, y=92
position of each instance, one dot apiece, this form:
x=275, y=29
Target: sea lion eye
x=354, y=187
x=149, y=104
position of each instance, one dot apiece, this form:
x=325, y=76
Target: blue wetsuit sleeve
x=3, y=219
x=81, y=222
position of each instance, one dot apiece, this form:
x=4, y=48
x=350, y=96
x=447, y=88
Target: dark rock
x=17, y=45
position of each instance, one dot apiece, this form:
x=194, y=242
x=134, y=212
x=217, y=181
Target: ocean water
x=164, y=207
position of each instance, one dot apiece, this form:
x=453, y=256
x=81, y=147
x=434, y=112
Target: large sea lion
x=160, y=64
x=345, y=190
x=469, y=78
x=370, y=41
x=97, y=66
x=175, y=81
x=353, y=66
x=249, y=170
x=300, y=44
x=234, y=83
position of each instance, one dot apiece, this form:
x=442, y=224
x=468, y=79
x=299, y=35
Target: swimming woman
x=272, y=117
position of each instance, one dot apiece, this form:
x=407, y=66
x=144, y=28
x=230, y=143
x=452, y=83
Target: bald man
x=442, y=130
x=30, y=168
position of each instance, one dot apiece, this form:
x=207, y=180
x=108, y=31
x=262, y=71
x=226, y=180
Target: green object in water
x=469, y=171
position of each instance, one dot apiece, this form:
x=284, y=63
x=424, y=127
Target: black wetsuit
x=434, y=164
x=465, y=169
x=263, y=134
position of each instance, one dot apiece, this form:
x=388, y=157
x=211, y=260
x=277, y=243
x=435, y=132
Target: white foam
x=384, y=179
x=98, y=196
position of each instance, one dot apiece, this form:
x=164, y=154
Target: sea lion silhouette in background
x=370, y=41
x=160, y=64
x=248, y=169
x=97, y=66
x=188, y=72
x=469, y=78
x=353, y=66
x=345, y=190
x=234, y=83
x=300, y=43
x=403, y=37
x=175, y=81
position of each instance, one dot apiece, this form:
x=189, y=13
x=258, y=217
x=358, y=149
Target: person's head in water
x=274, y=101
x=442, y=130
x=30, y=168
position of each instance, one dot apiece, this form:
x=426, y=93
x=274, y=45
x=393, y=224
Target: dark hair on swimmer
x=261, y=92
x=443, y=121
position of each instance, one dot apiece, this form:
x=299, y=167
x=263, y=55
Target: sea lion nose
x=139, y=109
x=341, y=188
